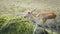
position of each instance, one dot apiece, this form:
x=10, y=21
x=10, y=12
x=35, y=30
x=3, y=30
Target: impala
x=42, y=17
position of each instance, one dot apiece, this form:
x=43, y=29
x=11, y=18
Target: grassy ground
x=16, y=25
x=15, y=7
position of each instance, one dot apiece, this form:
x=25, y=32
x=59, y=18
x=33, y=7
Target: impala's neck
x=33, y=16
x=34, y=19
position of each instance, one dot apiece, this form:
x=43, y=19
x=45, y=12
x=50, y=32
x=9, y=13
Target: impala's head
x=29, y=13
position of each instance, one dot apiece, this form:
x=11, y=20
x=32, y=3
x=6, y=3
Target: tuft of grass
x=15, y=25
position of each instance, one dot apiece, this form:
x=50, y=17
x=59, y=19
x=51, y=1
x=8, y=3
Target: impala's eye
x=28, y=12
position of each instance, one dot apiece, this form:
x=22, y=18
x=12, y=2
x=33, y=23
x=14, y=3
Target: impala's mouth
x=24, y=16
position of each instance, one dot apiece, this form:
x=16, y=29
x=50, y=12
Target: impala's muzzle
x=24, y=16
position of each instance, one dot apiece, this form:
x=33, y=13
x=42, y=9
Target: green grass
x=15, y=25
x=49, y=31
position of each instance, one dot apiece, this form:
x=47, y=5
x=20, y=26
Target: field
x=12, y=12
